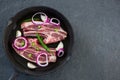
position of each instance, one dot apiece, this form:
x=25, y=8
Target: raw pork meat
x=50, y=33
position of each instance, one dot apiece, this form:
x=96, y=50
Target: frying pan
x=17, y=61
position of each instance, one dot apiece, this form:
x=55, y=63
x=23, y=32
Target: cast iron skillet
x=19, y=63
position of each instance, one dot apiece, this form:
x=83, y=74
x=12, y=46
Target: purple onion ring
x=51, y=21
x=37, y=61
x=39, y=22
x=60, y=52
x=25, y=43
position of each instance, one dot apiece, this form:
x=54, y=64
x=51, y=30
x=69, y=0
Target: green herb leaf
x=37, y=48
x=29, y=55
x=33, y=44
x=39, y=27
x=30, y=19
x=22, y=43
x=56, y=30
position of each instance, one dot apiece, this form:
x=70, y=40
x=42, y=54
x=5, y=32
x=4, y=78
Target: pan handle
x=14, y=76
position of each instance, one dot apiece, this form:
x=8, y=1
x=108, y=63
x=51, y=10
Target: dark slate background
x=96, y=26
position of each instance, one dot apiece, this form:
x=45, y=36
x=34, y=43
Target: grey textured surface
x=96, y=26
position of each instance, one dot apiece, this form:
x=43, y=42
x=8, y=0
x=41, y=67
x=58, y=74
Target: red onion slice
x=41, y=64
x=60, y=52
x=45, y=20
x=57, y=23
x=20, y=47
x=43, y=17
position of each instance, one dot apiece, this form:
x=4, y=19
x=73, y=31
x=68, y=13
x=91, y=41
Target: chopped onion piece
x=18, y=33
x=60, y=45
x=44, y=17
x=31, y=66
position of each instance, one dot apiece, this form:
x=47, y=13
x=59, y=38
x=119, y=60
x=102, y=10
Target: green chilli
x=42, y=43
